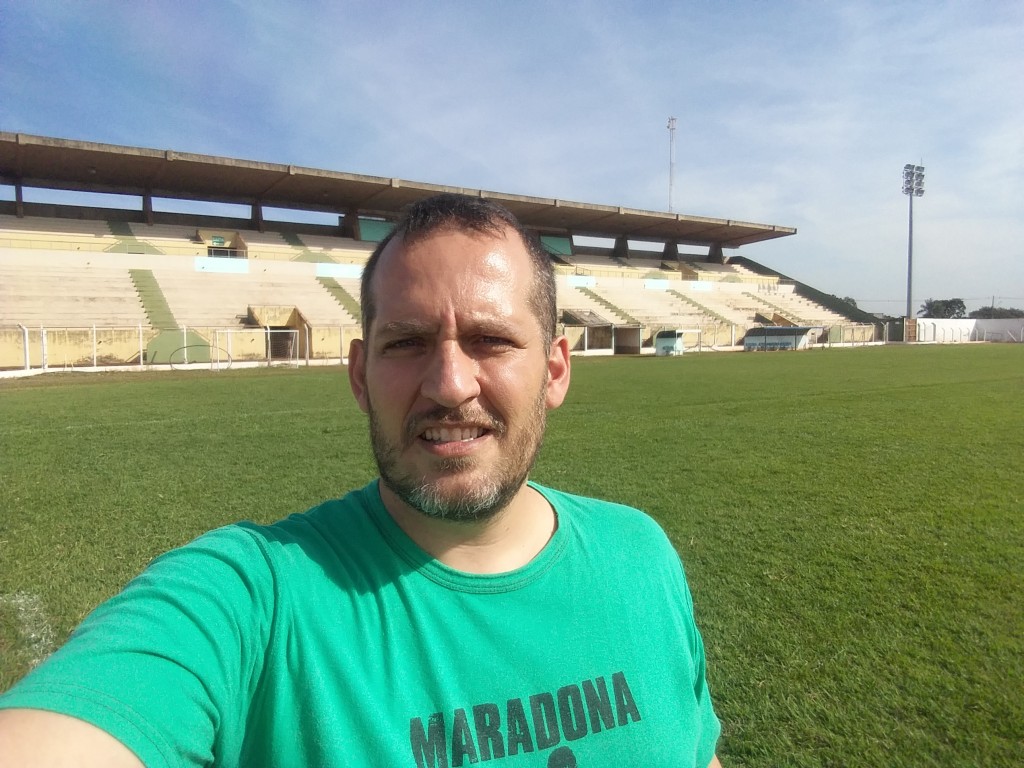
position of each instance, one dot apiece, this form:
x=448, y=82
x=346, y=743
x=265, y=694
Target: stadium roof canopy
x=37, y=161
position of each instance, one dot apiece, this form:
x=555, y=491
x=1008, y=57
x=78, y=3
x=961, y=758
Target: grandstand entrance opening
x=270, y=346
x=626, y=339
x=590, y=333
x=281, y=346
x=274, y=334
x=222, y=243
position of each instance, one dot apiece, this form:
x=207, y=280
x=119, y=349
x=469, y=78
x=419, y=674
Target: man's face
x=453, y=373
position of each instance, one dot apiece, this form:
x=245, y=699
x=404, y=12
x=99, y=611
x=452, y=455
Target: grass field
x=852, y=521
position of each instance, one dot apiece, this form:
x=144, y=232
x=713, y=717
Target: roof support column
x=621, y=249
x=671, y=252
x=348, y=224
x=147, y=207
x=257, y=215
x=715, y=254
x=19, y=200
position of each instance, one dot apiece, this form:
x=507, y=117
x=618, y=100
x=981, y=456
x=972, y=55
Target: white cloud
x=797, y=113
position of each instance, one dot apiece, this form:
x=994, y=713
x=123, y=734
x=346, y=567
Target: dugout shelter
x=775, y=338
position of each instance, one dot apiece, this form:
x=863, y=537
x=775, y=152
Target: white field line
x=33, y=626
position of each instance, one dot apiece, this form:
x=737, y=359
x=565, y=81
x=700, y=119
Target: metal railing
x=41, y=348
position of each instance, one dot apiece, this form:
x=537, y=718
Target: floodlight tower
x=913, y=186
x=671, y=159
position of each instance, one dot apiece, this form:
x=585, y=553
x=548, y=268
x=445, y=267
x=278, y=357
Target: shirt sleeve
x=168, y=666
x=710, y=728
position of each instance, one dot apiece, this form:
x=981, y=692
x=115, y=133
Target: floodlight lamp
x=919, y=192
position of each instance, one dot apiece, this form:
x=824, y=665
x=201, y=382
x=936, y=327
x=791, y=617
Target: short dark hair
x=449, y=211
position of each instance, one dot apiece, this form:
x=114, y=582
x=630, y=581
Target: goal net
x=271, y=346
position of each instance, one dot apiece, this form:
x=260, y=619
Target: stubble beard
x=494, y=491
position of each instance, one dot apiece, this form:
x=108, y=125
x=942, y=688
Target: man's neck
x=508, y=540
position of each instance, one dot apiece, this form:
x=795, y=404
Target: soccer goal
x=269, y=346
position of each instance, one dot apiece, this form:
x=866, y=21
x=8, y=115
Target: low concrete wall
x=72, y=347
x=942, y=331
x=87, y=347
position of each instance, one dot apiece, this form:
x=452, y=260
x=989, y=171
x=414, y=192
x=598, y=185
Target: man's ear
x=558, y=372
x=357, y=372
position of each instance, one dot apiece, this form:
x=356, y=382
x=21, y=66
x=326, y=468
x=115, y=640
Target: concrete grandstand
x=87, y=285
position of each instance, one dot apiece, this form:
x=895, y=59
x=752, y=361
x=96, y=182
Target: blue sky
x=793, y=113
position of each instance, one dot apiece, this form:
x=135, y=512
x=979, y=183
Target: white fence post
x=24, y=344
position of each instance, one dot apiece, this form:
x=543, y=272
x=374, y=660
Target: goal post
x=268, y=346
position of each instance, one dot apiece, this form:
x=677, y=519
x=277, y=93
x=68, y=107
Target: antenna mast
x=671, y=160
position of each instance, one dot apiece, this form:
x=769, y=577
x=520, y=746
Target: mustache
x=441, y=416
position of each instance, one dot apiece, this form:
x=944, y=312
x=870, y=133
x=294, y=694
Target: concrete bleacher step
x=607, y=305
x=704, y=309
x=153, y=300
x=68, y=298
x=786, y=314
x=343, y=297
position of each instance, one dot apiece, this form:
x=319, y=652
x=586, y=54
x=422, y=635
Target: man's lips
x=443, y=426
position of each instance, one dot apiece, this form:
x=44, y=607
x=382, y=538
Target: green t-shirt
x=331, y=639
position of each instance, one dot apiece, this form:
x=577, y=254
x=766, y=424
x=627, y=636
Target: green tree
x=847, y=299
x=943, y=308
x=996, y=313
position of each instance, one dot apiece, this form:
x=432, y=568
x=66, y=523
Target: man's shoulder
x=602, y=516
x=327, y=522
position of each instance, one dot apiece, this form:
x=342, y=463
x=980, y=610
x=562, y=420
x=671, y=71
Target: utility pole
x=671, y=160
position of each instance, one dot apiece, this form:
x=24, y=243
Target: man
x=450, y=613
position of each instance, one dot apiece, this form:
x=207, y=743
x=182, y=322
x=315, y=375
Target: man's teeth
x=451, y=434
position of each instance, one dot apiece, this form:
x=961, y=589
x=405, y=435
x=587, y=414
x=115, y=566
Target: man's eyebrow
x=402, y=327
x=487, y=325
x=492, y=327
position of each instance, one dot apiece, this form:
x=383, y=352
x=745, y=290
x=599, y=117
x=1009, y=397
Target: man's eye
x=399, y=344
x=496, y=341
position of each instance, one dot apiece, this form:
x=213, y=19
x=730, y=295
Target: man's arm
x=714, y=762
x=35, y=738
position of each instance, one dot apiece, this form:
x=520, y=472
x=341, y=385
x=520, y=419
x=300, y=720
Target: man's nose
x=451, y=379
